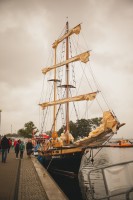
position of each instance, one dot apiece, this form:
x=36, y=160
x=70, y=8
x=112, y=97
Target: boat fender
x=54, y=135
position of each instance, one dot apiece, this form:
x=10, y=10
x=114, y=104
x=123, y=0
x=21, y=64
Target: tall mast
x=67, y=79
x=55, y=87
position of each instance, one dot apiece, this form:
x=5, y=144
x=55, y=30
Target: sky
x=27, y=30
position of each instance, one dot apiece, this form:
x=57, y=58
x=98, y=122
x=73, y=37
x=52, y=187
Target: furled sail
x=83, y=57
x=87, y=97
x=109, y=125
x=75, y=30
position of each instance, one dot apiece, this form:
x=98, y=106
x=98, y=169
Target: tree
x=11, y=135
x=82, y=127
x=21, y=132
x=95, y=122
x=72, y=127
x=27, y=130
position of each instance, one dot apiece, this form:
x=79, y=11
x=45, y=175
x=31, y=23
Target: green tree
x=72, y=127
x=95, y=122
x=21, y=132
x=82, y=127
x=27, y=130
x=11, y=135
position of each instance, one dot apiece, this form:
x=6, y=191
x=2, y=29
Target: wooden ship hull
x=62, y=161
x=66, y=160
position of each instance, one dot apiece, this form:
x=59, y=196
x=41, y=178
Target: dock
x=27, y=179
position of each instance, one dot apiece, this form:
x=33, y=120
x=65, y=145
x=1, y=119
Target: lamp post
x=0, y=121
x=11, y=128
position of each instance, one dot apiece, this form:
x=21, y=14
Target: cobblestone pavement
x=30, y=187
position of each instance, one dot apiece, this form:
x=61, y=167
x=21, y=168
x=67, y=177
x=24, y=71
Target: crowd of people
x=17, y=145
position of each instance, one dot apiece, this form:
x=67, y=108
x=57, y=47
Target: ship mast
x=83, y=57
x=55, y=85
x=67, y=80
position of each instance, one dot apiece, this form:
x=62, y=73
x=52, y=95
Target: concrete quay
x=27, y=179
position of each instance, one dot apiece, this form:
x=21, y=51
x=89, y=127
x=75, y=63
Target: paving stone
x=20, y=180
x=20, y=185
x=30, y=187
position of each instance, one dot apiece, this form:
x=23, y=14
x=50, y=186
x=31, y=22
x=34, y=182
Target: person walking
x=4, y=148
x=17, y=148
x=29, y=147
x=21, y=148
x=14, y=144
x=0, y=146
x=10, y=144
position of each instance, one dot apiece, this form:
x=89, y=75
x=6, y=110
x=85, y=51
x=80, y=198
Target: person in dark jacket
x=4, y=147
x=17, y=148
x=0, y=146
x=29, y=147
x=10, y=144
x=21, y=148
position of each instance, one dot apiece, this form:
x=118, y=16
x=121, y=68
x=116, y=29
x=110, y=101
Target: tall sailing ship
x=62, y=154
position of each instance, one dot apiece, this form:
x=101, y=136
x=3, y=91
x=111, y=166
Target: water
x=69, y=186
x=107, y=156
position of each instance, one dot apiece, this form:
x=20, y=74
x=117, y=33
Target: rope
x=49, y=163
x=98, y=86
x=44, y=116
x=102, y=147
x=74, y=107
x=92, y=156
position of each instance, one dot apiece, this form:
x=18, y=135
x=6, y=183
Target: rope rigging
x=83, y=75
x=91, y=154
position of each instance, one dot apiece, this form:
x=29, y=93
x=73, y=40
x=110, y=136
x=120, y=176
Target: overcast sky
x=27, y=30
